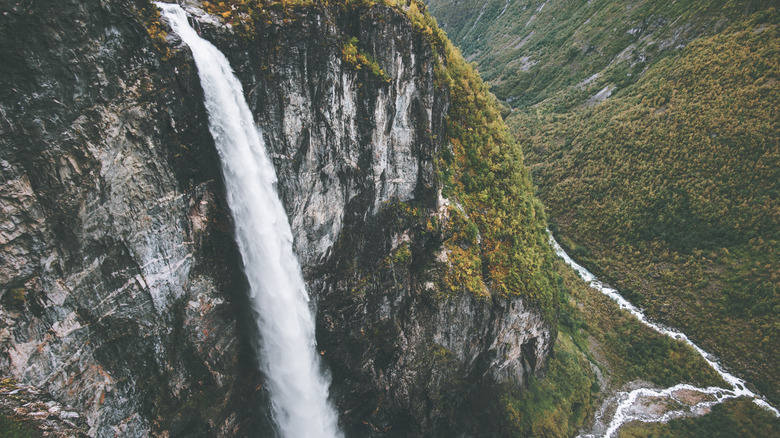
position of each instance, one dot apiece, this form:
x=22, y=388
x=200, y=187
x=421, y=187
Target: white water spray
x=624, y=412
x=287, y=354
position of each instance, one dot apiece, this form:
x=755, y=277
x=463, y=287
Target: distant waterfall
x=299, y=390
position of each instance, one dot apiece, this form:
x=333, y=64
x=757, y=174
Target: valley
x=307, y=218
x=651, y=130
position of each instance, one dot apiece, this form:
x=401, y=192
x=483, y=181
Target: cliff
x=122, y=290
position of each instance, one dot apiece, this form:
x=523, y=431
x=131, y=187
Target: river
x=653, y=404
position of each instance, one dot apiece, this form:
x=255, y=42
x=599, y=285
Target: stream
x=653, y=404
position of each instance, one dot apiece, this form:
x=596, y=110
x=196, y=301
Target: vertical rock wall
x=120, y=283
x=121, y=287
x=353, y=152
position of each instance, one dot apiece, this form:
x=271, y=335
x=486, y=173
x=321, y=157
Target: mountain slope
x=534, y=50
x=651, y=129
x=673, y=186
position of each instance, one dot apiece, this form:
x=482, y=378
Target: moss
x=402, y=255
x=149, y=15
x=8, y=384
x=360, y=60
x=441, y=354
x=14, y=297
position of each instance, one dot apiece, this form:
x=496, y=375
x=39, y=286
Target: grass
x=734, y=418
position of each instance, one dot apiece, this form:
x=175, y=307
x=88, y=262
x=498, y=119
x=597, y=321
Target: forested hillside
x=653, y=134
x=533, y=50
x=670, y=189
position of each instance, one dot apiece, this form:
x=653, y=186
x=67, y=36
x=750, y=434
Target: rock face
x=25, y=404
x=121, y=285
x=122, y=291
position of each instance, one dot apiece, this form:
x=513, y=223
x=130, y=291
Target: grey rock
x=121, y=286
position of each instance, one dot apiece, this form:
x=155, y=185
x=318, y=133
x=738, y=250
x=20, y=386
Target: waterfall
x=287, y=353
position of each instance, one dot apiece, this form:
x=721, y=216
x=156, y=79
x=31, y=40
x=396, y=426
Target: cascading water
x=624, y=411
x=287, y=354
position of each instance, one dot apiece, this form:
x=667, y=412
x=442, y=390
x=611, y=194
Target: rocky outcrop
x=121, y=287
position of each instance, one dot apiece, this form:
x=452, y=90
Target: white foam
x=287, y=353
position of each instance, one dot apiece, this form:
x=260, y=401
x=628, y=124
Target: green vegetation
x=534, y=50
x=9, y=428
x=465, y=262
x=149, y=15
x=485, y=172
x=497, y=244
x=558, y=404
x=15, y=297
x=670, y=191
x=244, y=15
x=483, y=160
x=594, y=332
x=623, y=347
x=735, y=418
x=360, y=59
x=241, y=12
